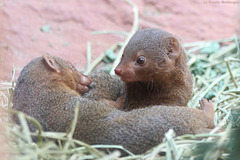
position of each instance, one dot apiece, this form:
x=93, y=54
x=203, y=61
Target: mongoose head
x=65, y=73
x=151, y=54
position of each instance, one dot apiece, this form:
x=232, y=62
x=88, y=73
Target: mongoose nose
x=118, y=71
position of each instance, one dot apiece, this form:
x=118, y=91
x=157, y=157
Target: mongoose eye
x=74, y=68
x=141, y=60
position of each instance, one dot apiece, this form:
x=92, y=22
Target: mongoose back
x=153, y=67
x=48, y=89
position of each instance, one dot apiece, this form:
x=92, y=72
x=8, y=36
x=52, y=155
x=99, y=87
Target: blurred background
x=63, y=27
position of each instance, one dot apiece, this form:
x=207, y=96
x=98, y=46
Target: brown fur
x=48, y=92
x=164, y=78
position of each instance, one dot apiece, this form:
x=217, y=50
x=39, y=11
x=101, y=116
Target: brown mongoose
x=154, y=69
x=48, y=90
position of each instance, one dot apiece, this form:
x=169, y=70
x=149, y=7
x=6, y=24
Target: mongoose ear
x=172, y=47
x=51, y=62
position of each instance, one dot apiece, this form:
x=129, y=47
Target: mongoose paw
x=207, y=108
x=81, y=88
x=110, y=103
x=84, y=81
x=120, y=102
x=205, y=104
